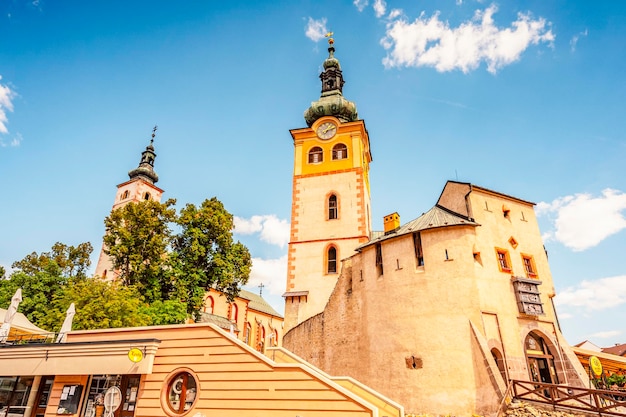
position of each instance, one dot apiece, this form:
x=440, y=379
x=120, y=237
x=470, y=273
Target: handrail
x=608, y=402
x=505, y=397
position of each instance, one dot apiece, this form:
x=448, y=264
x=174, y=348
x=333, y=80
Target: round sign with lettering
x=135, y=355
x=595, y=365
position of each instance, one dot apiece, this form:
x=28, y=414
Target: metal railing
x=602, y=402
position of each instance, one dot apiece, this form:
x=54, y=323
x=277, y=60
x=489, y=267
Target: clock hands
x=331, y=127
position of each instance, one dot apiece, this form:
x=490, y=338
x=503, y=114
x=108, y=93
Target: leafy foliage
x=42, y=276
x=163, y=276
x=204, y=254
x=137, y=237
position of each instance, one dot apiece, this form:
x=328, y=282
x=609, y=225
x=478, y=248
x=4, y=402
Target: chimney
x=392, y=223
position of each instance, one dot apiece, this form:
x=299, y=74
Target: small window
x=234, y=312
x=125, y=195
x=529, y=266
x=379, y=259
x=419, y=254
x=261, y=345
x=146, y=196
x=332, y=260
x=332, y=207
x=504, y=263
x=340, y=151
x=209, y=304
x=316, y=155
x=181, y=392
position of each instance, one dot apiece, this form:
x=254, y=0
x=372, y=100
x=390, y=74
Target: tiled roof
x=256, y=302
x=436, y=217
x=619, y=350
x=219, y=321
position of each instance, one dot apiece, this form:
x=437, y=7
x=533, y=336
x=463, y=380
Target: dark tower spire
x=332, y=101
x=145, y=169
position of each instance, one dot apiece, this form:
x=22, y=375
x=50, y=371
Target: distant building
x=249, y=316
x=438, y=313
x=587, y=345
x=139, y=187
x=618, y=349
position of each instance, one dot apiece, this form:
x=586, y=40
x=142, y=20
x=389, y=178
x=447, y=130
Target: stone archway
x=497, y=356
x=540, y=355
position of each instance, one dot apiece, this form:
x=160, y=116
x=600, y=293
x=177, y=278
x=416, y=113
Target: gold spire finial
x=329, y=35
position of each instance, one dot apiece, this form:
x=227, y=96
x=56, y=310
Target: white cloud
x=574, y=41
x=583, y=221
x=605, y=335
x=270, y=228
x=432, y=42
x=14, y=142
x=594, y=295
x=316, y=29
x=272, y=273
x=380, y=7
x=6, y=104
x=565, y=316
x=395, y=13
x=360, y=4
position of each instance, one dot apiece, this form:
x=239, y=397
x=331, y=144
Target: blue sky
x=524, y=99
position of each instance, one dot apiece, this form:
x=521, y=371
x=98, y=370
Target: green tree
x=2, y=272
x=41, y=276
x=136, y=238
x=73, y=261
x=99, y=305
x=204, y=254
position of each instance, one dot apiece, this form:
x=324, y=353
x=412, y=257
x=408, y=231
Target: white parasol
x=67, y=324
x=8, y=318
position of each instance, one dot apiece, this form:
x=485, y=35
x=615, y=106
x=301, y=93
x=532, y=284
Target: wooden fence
x=602, y=402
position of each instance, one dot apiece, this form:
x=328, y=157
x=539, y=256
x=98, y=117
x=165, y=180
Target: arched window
x=234, y=312
x=332, y=260
x=332, y=207
x=340, y=151
x=316, y=155
x=261, y=347
x=125, y=195
x=209, y=304
x=146, y=196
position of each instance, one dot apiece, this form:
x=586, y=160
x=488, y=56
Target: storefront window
x=14, y=392
x=129, y=389
x=181, y=392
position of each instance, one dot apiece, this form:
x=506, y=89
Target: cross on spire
x=261, y=288
x=154, y=133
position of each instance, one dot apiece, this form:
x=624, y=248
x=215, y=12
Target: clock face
x=326, y=130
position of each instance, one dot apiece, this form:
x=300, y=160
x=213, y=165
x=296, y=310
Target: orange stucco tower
x=330, y=211
x=139, y=187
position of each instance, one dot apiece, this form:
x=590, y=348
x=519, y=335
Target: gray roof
x=219, y=321
x=434, y=218
x=256, y=302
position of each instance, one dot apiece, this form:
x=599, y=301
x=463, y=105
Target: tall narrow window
x=316, y=155
x=209, y=304
x=529, y=266
x=504, y=263
x=379, y=259
x=419, y=254
x=332, y=207
x=146, y=196
x=234, y=312
x=340, y=151
x=332, y=260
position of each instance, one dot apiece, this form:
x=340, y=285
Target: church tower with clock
x=330, y=209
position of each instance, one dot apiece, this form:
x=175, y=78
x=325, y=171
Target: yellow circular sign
x=135, y=355
x=595, y=365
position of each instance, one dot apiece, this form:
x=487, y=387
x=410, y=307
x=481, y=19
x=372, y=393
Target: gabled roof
x=434, y=218
x=487, y=190
x=256, y=302
x=619, y=350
